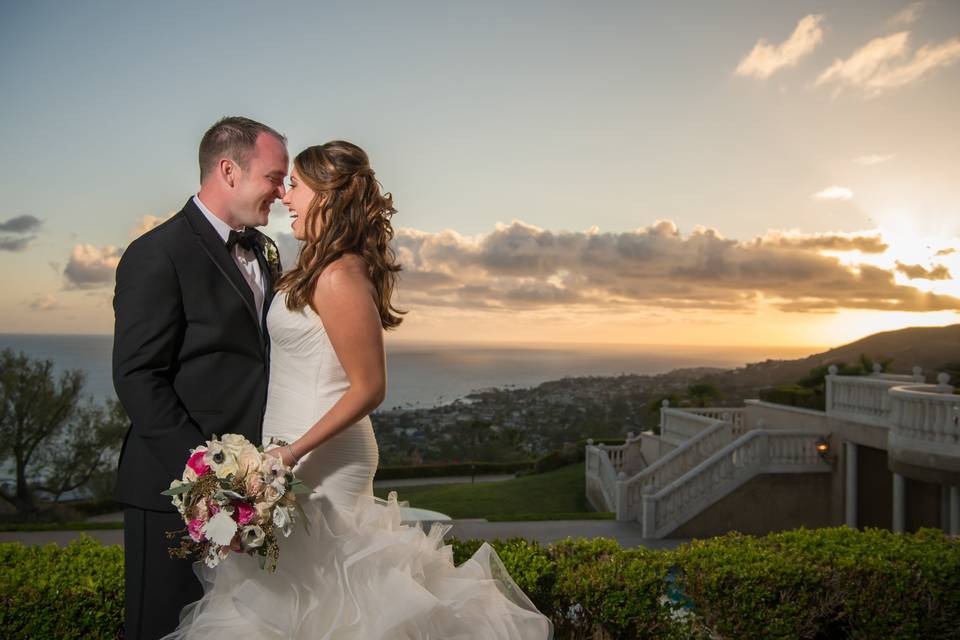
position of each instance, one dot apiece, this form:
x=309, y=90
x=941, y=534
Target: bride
x=358, y=573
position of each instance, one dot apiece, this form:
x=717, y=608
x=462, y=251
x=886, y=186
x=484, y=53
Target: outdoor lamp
x=823, y=447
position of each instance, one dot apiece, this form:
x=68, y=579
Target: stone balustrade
x=925, y=426
x=758, y=451
x=679, y=425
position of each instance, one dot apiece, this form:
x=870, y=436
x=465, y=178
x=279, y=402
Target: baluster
x=940, y=421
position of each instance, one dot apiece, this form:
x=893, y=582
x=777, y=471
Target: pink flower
x=197, y=464
x=242, y=512
x=194, y=529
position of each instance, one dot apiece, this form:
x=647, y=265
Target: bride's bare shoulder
x=350, y=262
x=348, y=272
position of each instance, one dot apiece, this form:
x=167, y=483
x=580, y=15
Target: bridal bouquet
x=234, y=497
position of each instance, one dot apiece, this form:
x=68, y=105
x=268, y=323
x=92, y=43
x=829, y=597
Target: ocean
x=430, y=374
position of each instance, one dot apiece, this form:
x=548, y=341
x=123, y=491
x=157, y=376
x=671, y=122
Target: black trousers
x=156, y=586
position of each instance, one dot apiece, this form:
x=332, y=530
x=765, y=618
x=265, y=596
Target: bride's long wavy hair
x=348, y=214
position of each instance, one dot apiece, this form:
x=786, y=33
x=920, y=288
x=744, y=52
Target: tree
x=654, y=406
x=866, y=363
x=702, y=392
x=54, y=439
x=478, y=431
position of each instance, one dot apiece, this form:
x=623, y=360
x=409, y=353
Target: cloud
x=20, y=224
x=46, y=302
x=946, y=252
x=519, y=266
x=863, y=242
x=8, y=243
x=885, y=63
x=919, y=272
x=907, y=15
x=834, y=193
x=874, y=158
x=765, y=59
x=147, y=223
x=289, y=248
x=90, y=267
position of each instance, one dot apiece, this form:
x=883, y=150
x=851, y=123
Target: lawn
x=558, y=494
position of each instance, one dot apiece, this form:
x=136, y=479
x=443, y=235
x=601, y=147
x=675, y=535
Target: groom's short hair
x=233, y=137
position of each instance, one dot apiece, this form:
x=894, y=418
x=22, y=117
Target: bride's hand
x=285, y=455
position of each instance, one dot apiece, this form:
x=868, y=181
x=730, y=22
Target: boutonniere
x=272, y=254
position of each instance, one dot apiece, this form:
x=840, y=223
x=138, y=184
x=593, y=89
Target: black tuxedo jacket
x=190, y=359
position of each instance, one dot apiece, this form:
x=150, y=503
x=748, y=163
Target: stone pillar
x=850, y=499
x=899, y=503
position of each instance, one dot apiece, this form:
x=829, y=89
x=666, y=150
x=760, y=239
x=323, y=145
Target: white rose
x=234, y=443
x=270, y=494
x=263, y=511
x=248, y=460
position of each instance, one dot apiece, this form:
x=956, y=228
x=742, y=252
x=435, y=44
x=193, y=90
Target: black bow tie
x=246, y=239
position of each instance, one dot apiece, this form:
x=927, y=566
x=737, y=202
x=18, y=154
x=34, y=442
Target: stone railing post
x=649, y=516
x=620, y=496
x=832, y=372
x=943, y=383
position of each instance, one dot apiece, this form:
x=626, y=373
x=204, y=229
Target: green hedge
x=794, y=396
x=826, y=583
x=449, y=469
x=53, y=592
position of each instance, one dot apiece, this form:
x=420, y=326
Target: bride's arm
x=344, y=300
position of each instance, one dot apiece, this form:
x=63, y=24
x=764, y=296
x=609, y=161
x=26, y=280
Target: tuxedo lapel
x=267, y=283
x=213, y=245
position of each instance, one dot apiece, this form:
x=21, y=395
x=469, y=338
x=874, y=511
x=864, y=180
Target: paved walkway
x=628, y=534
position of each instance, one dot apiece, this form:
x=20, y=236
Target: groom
x=190, y=351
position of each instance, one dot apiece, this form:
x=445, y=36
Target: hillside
x=932, y=348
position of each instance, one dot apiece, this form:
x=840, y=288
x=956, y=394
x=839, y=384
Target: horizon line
x=501, y=343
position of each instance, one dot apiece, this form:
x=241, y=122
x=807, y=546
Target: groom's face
x=261, y=183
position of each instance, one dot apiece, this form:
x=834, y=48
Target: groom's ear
x=227, y=170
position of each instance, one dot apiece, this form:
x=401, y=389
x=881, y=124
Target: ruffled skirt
x=361, y=574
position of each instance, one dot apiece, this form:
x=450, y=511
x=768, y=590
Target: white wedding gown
x=359, y=573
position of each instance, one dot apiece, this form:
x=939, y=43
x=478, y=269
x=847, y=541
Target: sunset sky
x=736, y=173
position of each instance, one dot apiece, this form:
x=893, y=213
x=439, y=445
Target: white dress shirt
x=246, y=259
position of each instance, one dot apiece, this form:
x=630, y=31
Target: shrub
x=604, y=590
x=795, y=396
x=824, y=583
x=53, y=592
